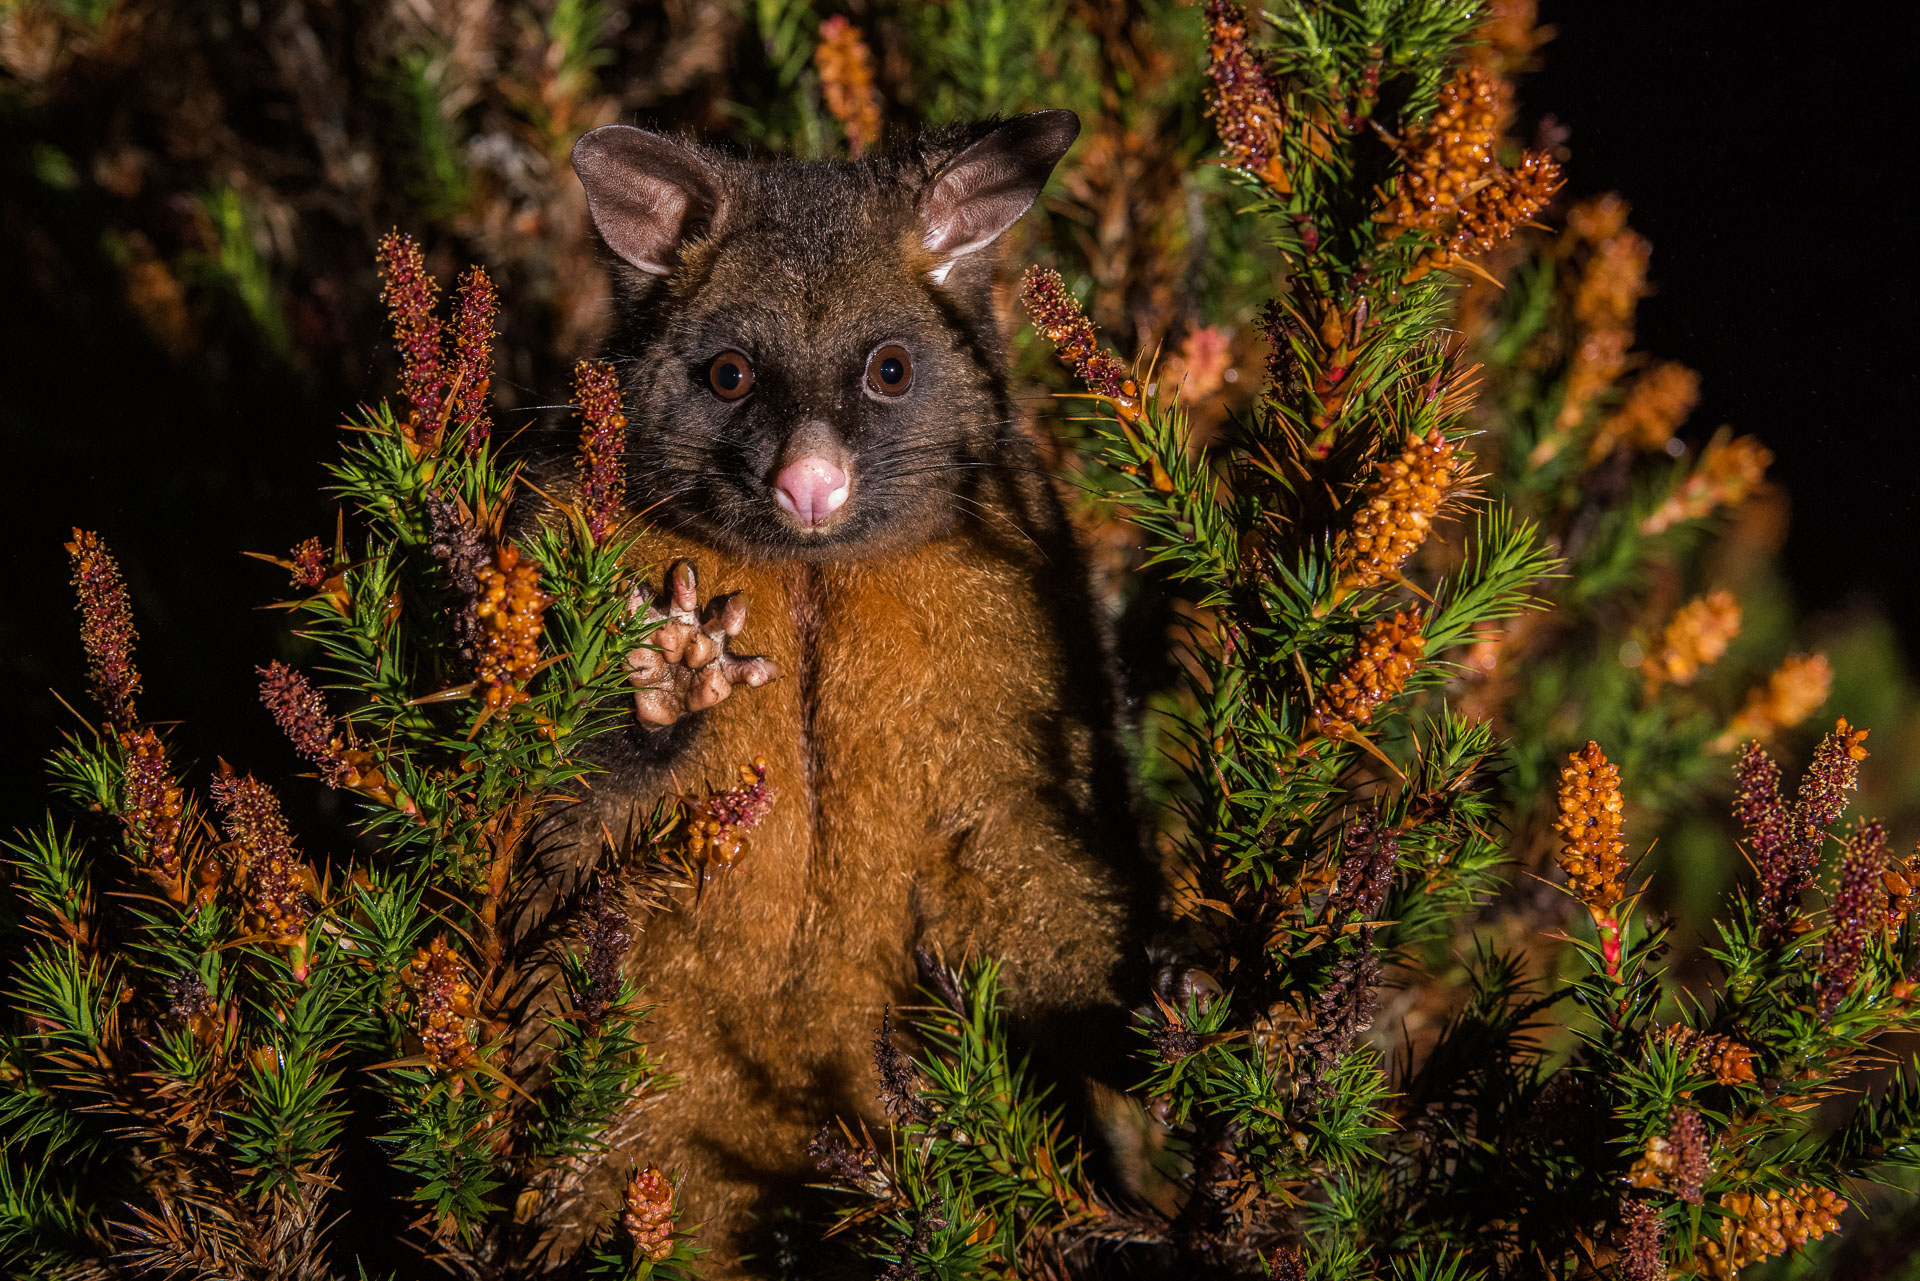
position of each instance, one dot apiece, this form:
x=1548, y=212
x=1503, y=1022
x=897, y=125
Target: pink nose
x=812, y=489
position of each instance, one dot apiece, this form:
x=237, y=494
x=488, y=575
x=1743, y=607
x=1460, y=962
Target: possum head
x=813, y=362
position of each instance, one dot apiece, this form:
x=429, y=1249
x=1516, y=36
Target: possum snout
x=813, y=482
x=811, y=490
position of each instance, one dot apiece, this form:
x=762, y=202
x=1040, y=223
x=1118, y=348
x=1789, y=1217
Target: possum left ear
x=647, y=194
x=984, y=190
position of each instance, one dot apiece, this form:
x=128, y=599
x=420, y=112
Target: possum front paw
x=685, y=667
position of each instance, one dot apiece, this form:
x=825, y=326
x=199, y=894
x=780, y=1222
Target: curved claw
x=751, y=672
x=686, y=588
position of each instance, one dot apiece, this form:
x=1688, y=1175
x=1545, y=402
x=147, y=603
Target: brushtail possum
x=867, y=580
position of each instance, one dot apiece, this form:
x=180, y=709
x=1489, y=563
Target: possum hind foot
x=686, y=668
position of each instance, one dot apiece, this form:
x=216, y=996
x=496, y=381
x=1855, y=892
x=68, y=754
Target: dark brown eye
x=890, y=370
x=730, y=376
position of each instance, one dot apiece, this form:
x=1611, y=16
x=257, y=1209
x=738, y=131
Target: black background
x=1765, y=164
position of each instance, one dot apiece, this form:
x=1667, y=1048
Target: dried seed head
x=1388, y=651
x=1696, y=637
x=717, y=825
x=511, y=611
x=1396, y=513
x=1760, y=1226
x=1727, y=474
x=1371, y=849
x=152, y=808
x=476, y=306
x=106, y=627
x=1343, y=1010
x=1728, y=1061
x=1655, y=406
x=1676, y=1160
x=1793, y=692
x=277, y=889
x=1785, y=842
x=1854, y=915
x=1240, y=98
x=412, y=297
x=1286, y=1265
x=463, y=552
x=607, y=937
x=302, y=715
x=440, y=1004
x=1592, y=811
x=603, y=445
x=846, y=81
x=188, y=998
x=1061, y=322
x=1690, y=1169
x=899, y=1078
x=1831, y=777
x=1643, y=1233
x=648, y=1216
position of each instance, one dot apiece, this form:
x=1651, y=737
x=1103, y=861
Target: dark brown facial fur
x=807, y=270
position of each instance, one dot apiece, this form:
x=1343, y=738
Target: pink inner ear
x=645, y=194
x=990, y=184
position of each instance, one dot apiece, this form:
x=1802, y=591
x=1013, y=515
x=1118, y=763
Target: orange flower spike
x=1695, y=638
x=603, y=445
x=1592, y=851
x=1395, y=514
x=278, y=891
x=152, y=809
x=1388, y=652
x=441, y=1005
x=106, y=627
x=511, y=609
x=1614, y=279
x=1793, y=692
x=1726, y=1060
x=648, y=1215
x=846, y=81
x=1240, y=98
x=1760, y=1226
x=1451, y=189
x=1656, y=405
x=1727, y=474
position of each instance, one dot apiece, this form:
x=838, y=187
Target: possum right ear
x=647, y=195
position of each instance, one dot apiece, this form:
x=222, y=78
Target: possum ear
x=647, y=194
x=984, y=190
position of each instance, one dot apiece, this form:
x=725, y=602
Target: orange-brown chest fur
x=941, y=742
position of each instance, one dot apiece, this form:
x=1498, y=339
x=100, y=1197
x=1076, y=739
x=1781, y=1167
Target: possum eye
x=730, y=376
x=890, y=370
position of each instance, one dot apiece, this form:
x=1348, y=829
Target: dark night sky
x=1762, y=159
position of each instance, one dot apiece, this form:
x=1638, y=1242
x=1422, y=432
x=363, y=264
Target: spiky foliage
x=180, y=1064
x=1333, y=825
